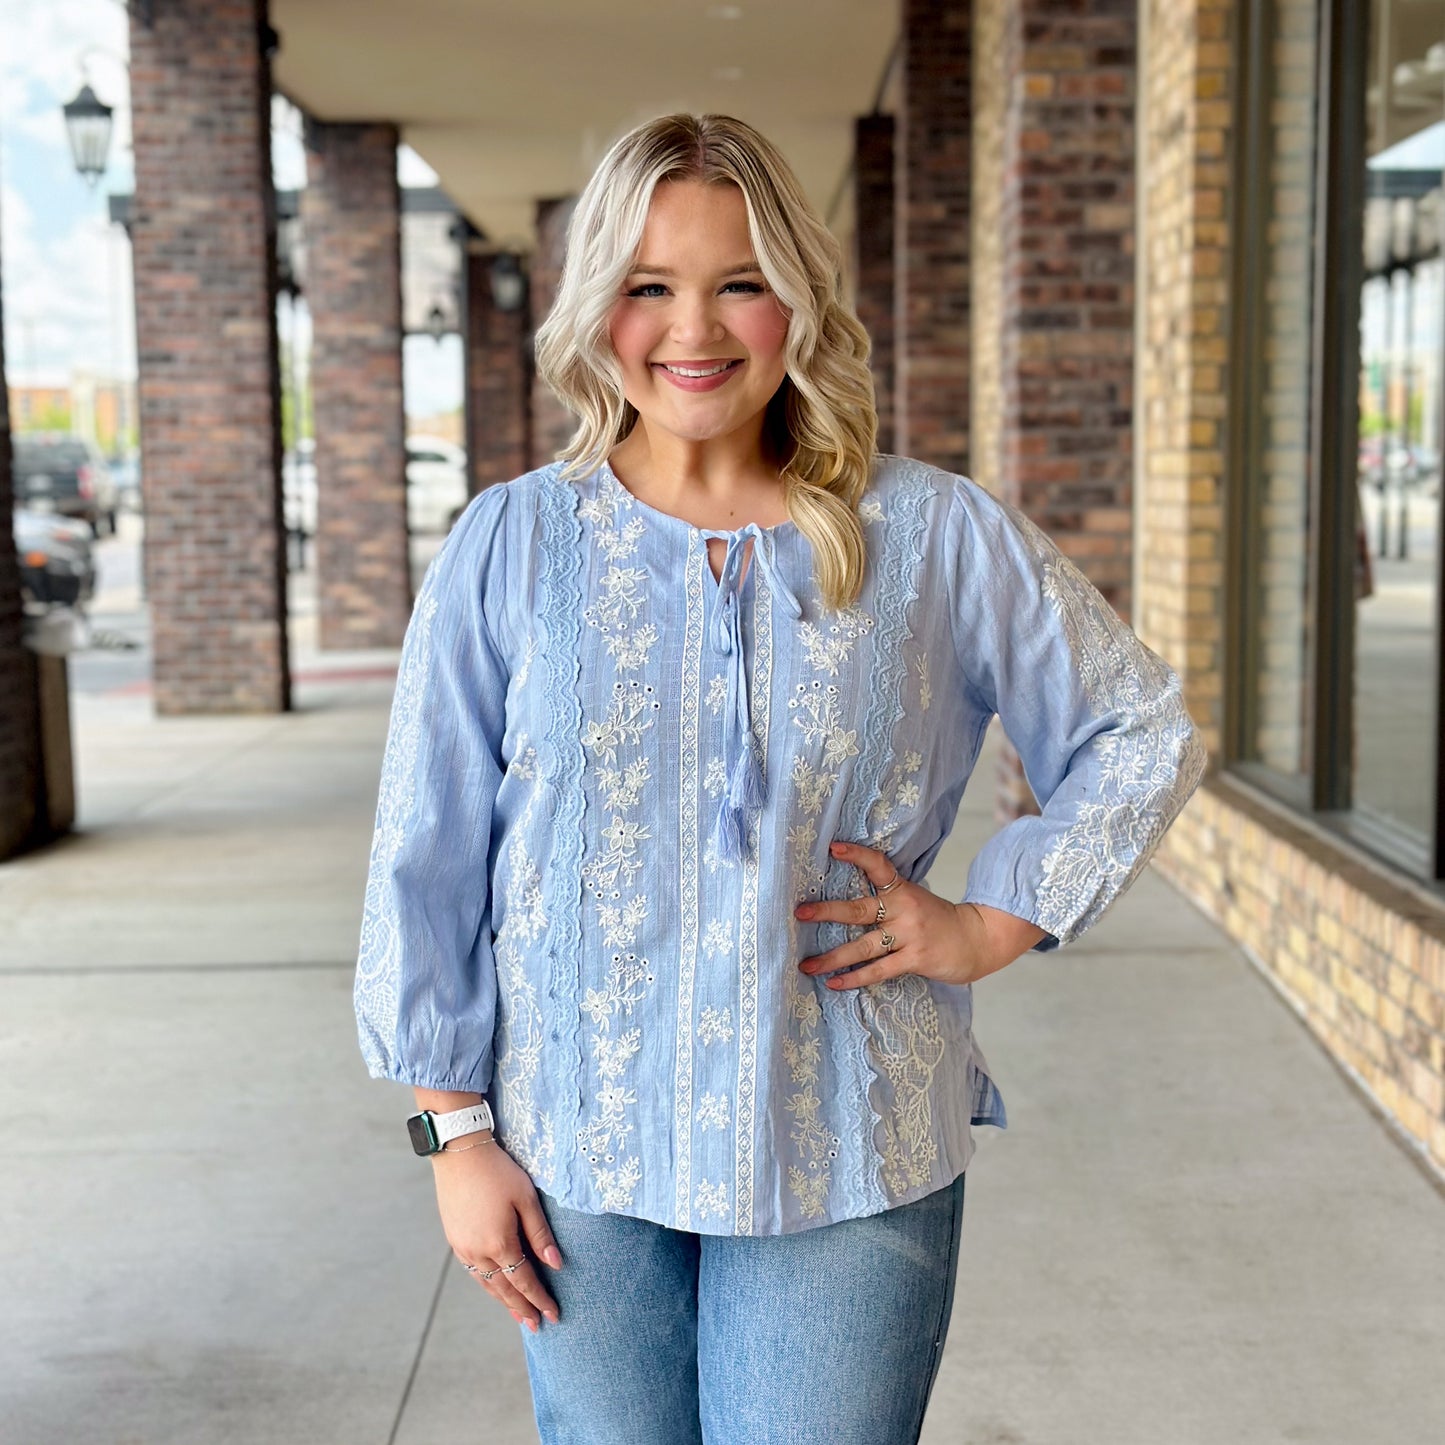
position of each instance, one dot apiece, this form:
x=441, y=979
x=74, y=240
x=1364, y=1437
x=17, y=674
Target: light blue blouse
x=610, y=777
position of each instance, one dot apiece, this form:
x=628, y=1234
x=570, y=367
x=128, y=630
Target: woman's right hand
x=487, y=1203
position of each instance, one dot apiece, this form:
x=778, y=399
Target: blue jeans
x=828, y=1336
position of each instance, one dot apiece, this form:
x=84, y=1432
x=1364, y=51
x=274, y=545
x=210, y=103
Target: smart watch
x=430, y=1131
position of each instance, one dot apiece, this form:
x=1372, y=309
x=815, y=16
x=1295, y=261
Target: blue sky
x=66, y=271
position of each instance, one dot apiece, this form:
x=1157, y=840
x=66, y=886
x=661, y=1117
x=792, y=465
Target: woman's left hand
x=952, y=942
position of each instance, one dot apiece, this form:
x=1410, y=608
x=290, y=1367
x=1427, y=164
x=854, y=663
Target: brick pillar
x=1055, y=96
x=19, y=719
x=873, y=255
x=552, y=423
x=499, y=378
x=933, y=161
x=203, y=234
x=351, y=210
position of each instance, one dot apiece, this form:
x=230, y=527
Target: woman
x=681, y=721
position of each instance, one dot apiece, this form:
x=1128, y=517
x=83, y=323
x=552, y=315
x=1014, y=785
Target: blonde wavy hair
x=821, y=426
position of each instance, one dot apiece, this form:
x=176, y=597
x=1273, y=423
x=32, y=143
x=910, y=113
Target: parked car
x=57, y=564
x=65, y=474
x=436, y=483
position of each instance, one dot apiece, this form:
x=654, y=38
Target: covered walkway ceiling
x=511, y=102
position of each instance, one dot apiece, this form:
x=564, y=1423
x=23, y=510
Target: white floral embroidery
x=712, y=1112
x=828, y=653
x=620, y=924
x=525, y=671
x=816, y=1144
x=529, y=1135
x=625, y=723
x=620, y=858
x=717, y=693
x=814, y=787
x=622, y=787
x=622, y=776
x=715, y=1025
x=717, y=940
x=925, y=686
x=601, y=511
x=1159, y=765
x=712, y=1199
x=524, y=758
x=818, y=712
x=901, y=792
x=715, y=779
x=870, y=509
x=626, y=983
x=907, y=1044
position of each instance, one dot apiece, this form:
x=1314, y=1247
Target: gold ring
x=893, y=882
x=888, y=941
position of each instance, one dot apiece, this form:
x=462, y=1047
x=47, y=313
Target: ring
x=888, y=941
x=882, y=912
x=893, y=882
x=477, y=1270
x=513, y=1268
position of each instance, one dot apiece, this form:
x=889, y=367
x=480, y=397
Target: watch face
x=423, y=1135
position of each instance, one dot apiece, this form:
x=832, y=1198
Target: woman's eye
x=647, y=287
x=750, y=287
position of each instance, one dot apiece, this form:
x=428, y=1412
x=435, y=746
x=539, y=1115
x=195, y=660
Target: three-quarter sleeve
x=1096, y=716
x=425, y=990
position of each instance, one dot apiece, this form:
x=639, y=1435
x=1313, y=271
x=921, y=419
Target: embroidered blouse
x=610, y=776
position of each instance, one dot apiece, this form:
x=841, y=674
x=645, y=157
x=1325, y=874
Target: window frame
x=1323, y=790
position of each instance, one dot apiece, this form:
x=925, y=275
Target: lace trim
x=761, y=687
x=689, y=897
x=897, y=566
x=560, y=587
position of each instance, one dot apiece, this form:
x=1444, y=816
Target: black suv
x=65, y=474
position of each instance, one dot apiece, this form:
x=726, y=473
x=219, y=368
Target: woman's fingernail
x=803, y=910
x=552, y=1256
x=551, y=1316
x=532, y=1325
x=837, y=848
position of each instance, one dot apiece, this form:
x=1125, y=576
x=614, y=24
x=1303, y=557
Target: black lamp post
x=87, y=123
x=437, y=324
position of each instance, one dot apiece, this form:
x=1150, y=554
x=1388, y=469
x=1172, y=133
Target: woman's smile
x=698, y=375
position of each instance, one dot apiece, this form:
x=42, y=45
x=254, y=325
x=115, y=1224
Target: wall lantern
x=87, y=123
x=509, y=282
x=437, y=324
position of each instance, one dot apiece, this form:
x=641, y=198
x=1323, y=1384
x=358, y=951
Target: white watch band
x=471, y=1120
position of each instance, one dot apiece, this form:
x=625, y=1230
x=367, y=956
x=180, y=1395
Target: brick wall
x=19, y=724
x=1360, y=957
x=933, y=168
x=499, y=379
x=552, y=423
x=1187, y=125
x=1068, y=297
x=203, y=234
x=991, y=91
x=351, y=211
x=873, y=270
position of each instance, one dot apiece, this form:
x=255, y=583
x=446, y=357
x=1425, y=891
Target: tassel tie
x=745, y=789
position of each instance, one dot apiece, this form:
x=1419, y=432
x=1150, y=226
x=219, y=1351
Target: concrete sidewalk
x=1195, y=1230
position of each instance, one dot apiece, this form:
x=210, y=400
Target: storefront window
x=1335, y=544
x=1402, y=343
